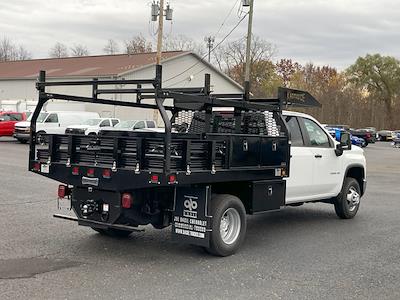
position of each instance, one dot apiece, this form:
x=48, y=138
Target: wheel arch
x=356, y=171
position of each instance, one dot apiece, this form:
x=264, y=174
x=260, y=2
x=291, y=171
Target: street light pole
x=248, y=52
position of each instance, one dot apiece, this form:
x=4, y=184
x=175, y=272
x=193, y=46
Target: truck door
x=326, y=168
x=299, y=185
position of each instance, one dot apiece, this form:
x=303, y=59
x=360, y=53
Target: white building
x=180, y=69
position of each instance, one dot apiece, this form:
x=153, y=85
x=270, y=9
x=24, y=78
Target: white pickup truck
x=321, y=172
x=92, y=126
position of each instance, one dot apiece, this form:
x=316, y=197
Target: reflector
x=62, y=191
x=127, y=200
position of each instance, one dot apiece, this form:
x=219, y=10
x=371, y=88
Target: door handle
x=318, y=156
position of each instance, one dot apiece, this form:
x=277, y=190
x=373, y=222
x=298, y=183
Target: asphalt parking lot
x=297, y=253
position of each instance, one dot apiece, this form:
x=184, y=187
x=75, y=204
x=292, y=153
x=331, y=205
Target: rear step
x=97, y=224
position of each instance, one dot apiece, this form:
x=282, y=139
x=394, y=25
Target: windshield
x=126, y=124
x=42, y=116
x=92, y=122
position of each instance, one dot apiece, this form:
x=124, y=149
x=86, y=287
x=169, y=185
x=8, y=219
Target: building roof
x=87, y=66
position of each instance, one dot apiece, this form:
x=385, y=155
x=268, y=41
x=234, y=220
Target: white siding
x=25, y=89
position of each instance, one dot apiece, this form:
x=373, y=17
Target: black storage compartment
x=267, y=195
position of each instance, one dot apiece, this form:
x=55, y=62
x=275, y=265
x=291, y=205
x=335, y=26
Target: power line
x=226, y=18
x=204, y=56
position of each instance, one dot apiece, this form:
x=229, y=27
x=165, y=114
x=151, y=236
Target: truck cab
x=316, y=171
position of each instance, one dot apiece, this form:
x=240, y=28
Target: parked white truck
x=51, y=122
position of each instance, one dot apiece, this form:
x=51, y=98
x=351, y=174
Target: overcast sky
x=333, y=32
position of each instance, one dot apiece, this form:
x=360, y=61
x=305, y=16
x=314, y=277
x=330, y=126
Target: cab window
x=114, y=122
x=151, y=124
x=295, y=133
x=15, y=117
x=52, y=118
x=139, y=125
x=5, y=117
x=317, y=136
x=105, y=123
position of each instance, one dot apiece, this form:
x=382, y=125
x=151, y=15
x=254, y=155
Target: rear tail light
x=126, y=200
x=75, y=171
x=154, y=179
x=106, y=173
x=63, y=191
x=36, y=166
x=90, y=172
x=172, y=179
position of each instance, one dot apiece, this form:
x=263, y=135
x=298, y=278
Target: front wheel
x=228, y=225
x=348, y=201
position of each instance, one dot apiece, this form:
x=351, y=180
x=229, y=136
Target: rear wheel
x=228, y=225
x=113, y=232
x=348, y=202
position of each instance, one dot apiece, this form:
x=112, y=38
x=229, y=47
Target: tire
x=227, y=237
x=22, y=141
x=39, y=138
x=113, y=232
x=348, y=201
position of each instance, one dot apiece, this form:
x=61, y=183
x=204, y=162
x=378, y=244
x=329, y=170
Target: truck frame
x=222, y=156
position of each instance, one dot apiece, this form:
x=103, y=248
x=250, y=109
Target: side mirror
x=345, y=143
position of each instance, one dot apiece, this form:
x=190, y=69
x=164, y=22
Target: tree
x=286, y=68
x=11, y=52
x=380, y=77
x=183, y=43
x=231, y=59
x=111, y=47
x=59, y=50
x=79, y=50
x=138, y=44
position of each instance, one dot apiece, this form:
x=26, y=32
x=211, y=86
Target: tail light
x=75, y=171
x=36, y=166
x=172, y=179
x=154, y=178
x=63, y=191
x=90, y=172
x=126, y=200
x=106, y=173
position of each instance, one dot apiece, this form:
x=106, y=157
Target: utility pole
x=160, y=31
x=210, y=44
x=248, y=51
x=157, y=11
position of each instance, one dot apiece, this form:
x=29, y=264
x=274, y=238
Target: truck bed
x=135, y=156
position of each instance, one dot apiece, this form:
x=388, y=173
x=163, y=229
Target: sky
x=333, y=32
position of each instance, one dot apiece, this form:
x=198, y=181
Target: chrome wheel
x=230, y=226
x=353, y=198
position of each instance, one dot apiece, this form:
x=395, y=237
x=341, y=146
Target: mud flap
x=191, y=222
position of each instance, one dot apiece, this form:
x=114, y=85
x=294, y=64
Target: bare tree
x=138, y=44
x=59, y=50
x=183, y=43
x=79, y=50
x=111, y=47
x=10, y=51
